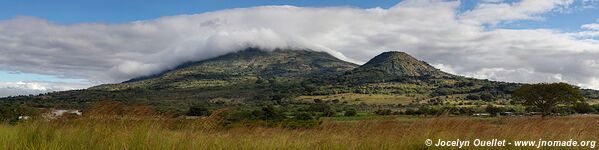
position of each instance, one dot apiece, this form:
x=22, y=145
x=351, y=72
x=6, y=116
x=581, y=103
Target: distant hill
x=400, y=64
x=393, y=65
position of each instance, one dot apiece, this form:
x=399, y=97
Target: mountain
x=254, y=77
x=394, y=65
x=400, y=64
x=245, y=66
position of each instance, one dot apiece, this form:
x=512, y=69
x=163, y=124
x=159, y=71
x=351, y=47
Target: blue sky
x=116, y=11
x=8, y=76
x=63, y=65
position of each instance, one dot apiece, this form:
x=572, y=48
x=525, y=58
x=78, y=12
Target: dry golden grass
x=147, y=132
x=111, y=125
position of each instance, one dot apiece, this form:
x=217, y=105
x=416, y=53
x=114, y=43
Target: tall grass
x=101, y=131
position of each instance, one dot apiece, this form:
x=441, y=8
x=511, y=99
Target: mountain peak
x=243, y=66
x=401, y=64
x=394, y=53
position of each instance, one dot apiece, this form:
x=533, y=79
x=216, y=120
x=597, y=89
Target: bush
x=319, y=107
x=336, y=101
x=473, y=97
x=442, y=91
x=303, y=116
x=487, y=97
x=317, y=101
x=272, y=113
x=583, y=108
x=596, y=107
x=465, y=110
x=426, y=110
x=350, y=112
x=411, y=112
x=383, y=112
x=276, y=118
x=563, y=110
x=10, y=112
x=198, y=110
x=329, y=112
x=494, y=110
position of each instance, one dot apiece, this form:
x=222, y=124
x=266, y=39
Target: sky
x=66, y=44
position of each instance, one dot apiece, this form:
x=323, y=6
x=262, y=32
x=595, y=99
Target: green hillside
x=242, y=67
x=400, y=64
x=254, y=77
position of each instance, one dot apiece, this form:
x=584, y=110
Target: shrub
x=487, y=97
x=336, y=101
x=350, y=112
x=319, y=107
x=317, y=101
x=272, y=113
x=411, y=112
x=583, y=108
x=383, y=112
x=303, y=116
x=473, y=97
x=329, y=112
x=198, y=110
x=11, y=112
x=493, y=110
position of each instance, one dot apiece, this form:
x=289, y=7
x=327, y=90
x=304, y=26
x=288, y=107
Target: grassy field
x=393, y=132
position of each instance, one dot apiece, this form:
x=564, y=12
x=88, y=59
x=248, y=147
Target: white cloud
x=589, y=4
x=587, y=34
x=430, y=30
x=591, y=26
x=588, y=31
x=24, y=88
x=494, y=13
x=491, y=1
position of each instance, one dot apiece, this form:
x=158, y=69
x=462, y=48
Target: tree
x=546, y=97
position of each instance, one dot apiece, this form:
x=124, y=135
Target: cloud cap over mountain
x=464, y=43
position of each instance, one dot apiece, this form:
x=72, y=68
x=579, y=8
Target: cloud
x=24, y=88
x=591, y=26
x=434, y=31
x=494, y=13
x=588, y=31
x=589, y=4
